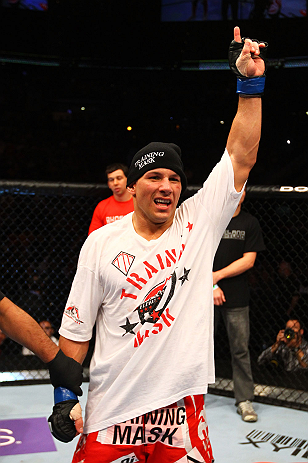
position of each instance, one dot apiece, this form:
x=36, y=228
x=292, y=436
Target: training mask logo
x=73, y=313
x=149, y=311
x=153, y=310
x=148, y=159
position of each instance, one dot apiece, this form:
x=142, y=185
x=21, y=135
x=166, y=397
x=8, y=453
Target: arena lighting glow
x=289, y=142
x=299, y=189
x=222, y=122
x=82, y=108
x=129, y=128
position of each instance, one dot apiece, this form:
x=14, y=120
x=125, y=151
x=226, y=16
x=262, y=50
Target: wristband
x=215, y=287
x=250, y=86
x=61, y=394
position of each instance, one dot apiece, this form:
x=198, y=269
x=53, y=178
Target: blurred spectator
x=194, y=4
x=290, y=351
x=300, y=309
x=31, y=297
x=266, y=9
x=233, y=7
x=273, y=8
x=119, y=204
x=49, y=330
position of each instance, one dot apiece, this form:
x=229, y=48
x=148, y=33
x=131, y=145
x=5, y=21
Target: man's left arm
x=235, y=268
x=245, y=133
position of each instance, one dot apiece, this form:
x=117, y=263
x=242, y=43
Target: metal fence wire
x=43, y=226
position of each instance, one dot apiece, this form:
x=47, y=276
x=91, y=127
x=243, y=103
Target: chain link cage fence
x=43, y=226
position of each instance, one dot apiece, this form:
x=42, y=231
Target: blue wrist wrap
x=61, y=394
x=250, y=86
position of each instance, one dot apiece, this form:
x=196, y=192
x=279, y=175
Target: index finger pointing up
x=237, y=34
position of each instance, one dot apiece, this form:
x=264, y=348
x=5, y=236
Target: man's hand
x=62, y=422
x=219, y=297
x=249, y=62
x=281, y=337
x=246, y=56
x=65, y=422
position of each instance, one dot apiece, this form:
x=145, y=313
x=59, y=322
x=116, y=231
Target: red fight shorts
x=174, y=434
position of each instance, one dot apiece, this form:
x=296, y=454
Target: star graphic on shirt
x=184, y=277
x=128, y=327
x=189, y=226
x=155, y=315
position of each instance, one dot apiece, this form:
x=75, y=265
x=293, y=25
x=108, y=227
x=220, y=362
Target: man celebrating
x=116, y=206
x=146, y=281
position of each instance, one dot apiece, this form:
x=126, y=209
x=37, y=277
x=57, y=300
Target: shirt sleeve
x=218, y=196
x=85, y=297
x=1, y=296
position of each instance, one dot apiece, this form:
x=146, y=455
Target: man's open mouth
x=165, y=202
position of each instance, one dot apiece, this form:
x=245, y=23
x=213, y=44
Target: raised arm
x=245, y=133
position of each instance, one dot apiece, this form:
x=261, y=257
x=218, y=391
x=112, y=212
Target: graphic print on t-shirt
x=154, y=309
x=73, y=313
x=123, y=262
x=148, y=311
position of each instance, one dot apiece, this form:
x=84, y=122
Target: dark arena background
x=84, y=84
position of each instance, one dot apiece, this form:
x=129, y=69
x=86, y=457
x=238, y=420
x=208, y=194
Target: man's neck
x=126, y=196
x=149, y=231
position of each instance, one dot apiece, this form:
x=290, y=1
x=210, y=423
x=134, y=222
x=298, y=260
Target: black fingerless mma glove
x=65, y=372
x=60, y=424
x=247, y=86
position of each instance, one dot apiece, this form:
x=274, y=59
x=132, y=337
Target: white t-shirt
x=152, y=302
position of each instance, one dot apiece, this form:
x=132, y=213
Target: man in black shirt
x=235, y=255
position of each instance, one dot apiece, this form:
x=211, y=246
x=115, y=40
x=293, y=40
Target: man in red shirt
x=119, y=204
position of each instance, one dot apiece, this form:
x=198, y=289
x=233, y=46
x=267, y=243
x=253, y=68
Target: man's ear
x=131, y=190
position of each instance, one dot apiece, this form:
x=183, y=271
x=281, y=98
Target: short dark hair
x=117, y=165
